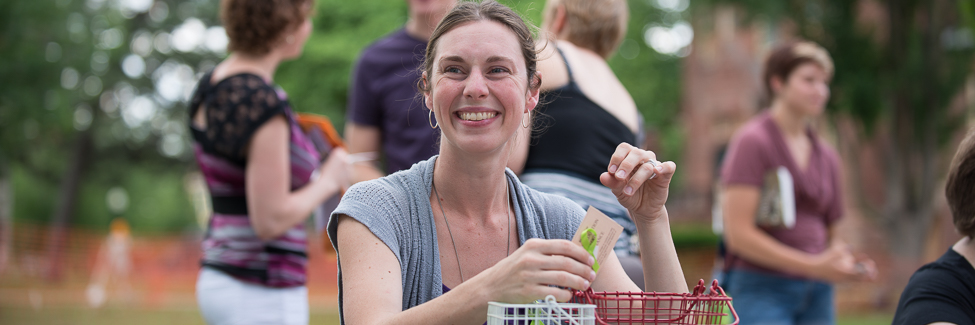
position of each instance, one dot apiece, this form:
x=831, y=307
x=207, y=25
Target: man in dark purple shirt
x=385, y=113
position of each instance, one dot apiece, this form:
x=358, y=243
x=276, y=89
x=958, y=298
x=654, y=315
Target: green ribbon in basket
x=588, y=239
x=725, y=318
x=726, y=310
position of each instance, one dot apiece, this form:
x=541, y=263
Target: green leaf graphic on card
x=588, y=239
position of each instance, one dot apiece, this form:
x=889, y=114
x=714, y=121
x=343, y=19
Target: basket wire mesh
x=697, y=307
x=547, y=312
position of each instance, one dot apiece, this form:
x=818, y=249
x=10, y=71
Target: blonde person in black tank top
x=585, y=112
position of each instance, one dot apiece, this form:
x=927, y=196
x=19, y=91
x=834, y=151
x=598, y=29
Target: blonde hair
x=596, y=25
x=814, y=53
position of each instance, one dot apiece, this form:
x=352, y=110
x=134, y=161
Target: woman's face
x=807, y=90
x=479, y=86
x=298, y=37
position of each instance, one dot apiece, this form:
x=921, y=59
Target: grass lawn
x=876, y=318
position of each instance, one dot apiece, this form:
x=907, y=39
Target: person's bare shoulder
x=551, y=66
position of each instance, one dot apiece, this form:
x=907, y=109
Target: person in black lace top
x=260, y=169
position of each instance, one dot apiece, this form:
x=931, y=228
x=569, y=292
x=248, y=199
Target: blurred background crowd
x=102, y=208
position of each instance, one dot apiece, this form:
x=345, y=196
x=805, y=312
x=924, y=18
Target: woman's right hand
x=538, y=268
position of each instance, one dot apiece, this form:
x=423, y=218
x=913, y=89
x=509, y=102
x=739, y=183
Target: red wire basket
x=697, y=307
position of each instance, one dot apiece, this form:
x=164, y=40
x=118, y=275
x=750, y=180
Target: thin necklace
x=507, y=213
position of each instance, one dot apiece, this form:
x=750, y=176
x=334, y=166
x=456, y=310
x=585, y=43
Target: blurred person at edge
x=260, y=170
x=584, y=113
x=780, y=275
x=384, y=111
x=113, y=265
x=943, y=292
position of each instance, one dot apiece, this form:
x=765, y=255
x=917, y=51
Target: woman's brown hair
x=960, y=188
x=785, y=58
x=254, y=26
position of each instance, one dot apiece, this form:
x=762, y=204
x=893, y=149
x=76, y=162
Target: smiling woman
x=435, y=243
x=481, y=85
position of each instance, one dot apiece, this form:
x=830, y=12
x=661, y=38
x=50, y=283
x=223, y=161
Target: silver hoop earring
x=525, y=122
x=430, y=118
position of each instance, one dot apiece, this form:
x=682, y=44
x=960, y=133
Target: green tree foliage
x=653, y=79
x=66, y=110
x=318, y=82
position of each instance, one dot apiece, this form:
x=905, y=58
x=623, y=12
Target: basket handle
x=715, y=289
x=585, y=296
x=553, y=307
x=699, y=288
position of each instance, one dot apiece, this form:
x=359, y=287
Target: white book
x=776, y=206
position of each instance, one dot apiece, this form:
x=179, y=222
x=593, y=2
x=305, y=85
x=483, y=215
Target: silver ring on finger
x=654, y=163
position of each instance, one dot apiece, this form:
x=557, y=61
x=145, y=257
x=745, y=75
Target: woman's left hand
x=640, y=183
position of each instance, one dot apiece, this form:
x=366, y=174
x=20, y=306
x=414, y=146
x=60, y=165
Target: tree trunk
x=912, y=156
x=67, y=199
x=6, y=214
x=907, y=208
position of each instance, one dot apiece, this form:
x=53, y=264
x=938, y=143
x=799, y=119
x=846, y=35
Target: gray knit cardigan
x=396, y=208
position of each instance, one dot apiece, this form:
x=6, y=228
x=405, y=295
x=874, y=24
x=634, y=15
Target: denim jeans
x=769, y=299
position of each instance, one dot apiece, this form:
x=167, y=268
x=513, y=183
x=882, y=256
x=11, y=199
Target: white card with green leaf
x=597, y=234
